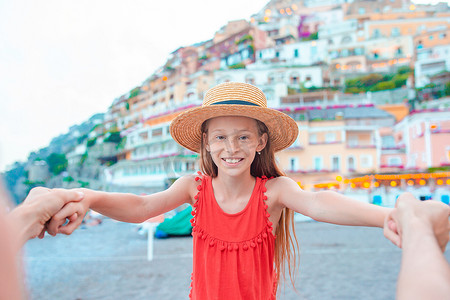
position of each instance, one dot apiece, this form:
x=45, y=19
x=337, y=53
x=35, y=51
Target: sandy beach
x=109, y=261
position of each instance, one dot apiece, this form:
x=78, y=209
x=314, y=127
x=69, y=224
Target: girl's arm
x=124, y=207
x=329, y=206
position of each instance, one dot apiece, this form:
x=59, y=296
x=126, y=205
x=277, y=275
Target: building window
x=387, y=141
x=376, y=33
x=294, y=78
x=330, y=137
x=313, y=138
x=250, y=79
x=157, y=132
x=346, y=39
x=295, y=52
x=294, y=165
x=318, y=163
x=353, y=140
x=351, y=164
x=394, y=161
x=336, y=163
x=395, y=31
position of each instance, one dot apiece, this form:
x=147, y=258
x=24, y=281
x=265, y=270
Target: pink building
x=392, y=154
x=425, y=135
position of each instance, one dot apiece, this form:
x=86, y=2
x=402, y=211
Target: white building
x=273, y=80
x=430, y=61
x=299, y=54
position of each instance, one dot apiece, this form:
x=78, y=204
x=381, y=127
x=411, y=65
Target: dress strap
x=264, y=179
x=197, y=198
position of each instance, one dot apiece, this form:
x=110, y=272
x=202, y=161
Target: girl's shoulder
x=188, y=183
x=280, y=184
x=280, y=181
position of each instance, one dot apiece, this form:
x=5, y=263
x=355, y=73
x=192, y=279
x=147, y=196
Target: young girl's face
x=233, y=143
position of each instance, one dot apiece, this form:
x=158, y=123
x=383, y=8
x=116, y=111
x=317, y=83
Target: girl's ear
x=205, y=141
x=262, y=142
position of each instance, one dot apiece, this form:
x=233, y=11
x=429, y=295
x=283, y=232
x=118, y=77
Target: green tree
x=447, y=89
x=57, y=163
x=113, y=137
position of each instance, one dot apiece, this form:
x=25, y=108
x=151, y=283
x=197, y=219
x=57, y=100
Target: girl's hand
x=409, y=211
x=74, y=212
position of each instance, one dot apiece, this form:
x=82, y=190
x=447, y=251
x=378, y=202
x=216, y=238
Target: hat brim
x=186, y=127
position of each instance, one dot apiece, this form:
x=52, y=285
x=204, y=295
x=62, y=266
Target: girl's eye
x=243, y=138
x=220, y=137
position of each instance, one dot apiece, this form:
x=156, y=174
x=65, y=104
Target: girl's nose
x=232, y=145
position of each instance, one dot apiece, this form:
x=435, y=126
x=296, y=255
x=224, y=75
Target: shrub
x=237, y=66
x=384, y=85
x=353, y=90
x=404, y=70
x=400, y=79
x=371, y=79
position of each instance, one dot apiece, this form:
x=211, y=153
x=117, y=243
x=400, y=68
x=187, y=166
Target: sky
x=61, y=61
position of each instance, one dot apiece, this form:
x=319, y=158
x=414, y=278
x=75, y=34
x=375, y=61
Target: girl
x=243, y=205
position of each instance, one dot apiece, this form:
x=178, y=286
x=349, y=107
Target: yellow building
x=334, y=142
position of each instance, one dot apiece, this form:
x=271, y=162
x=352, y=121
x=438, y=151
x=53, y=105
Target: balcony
x=325, y=143
x=359, y=146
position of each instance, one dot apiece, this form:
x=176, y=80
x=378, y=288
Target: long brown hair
x=264, y=164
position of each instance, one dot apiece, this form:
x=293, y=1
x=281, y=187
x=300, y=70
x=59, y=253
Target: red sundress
x=233, y=253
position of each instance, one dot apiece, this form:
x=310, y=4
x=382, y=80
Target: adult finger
x=73, y=217
x=392, y=236
x=390, y=229
x=42, y=234
x=60, y=217
x=392, y=226
x=71, y=226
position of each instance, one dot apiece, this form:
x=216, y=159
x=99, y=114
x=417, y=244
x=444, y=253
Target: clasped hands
x=54, y=211
x=412, y=216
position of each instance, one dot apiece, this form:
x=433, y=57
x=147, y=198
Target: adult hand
x=432, y=214
x=74, y=211
x=30, y=218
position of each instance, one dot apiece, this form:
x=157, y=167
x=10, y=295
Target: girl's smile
x=233, y=142
x=232, y=161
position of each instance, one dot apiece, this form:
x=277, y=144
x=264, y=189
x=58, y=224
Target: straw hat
x=233, y=99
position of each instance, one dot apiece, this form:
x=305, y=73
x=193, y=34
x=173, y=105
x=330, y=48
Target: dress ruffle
x=224, y=245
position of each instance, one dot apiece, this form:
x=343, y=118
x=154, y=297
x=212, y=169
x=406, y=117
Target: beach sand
x=109, y=261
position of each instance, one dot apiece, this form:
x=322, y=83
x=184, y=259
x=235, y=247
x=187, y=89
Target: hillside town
x=368, y=83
